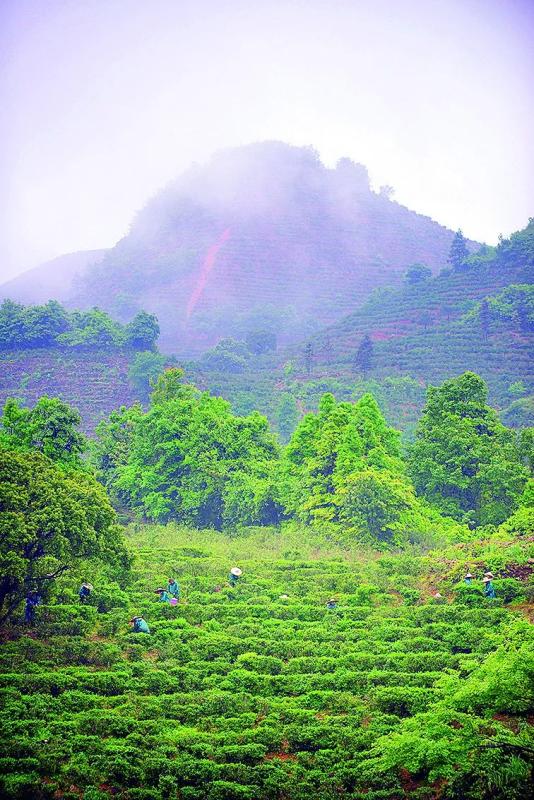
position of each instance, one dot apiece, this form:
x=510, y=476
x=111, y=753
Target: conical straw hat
x=236, y=571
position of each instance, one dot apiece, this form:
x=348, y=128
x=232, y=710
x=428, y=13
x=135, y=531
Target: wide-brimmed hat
x=134, y=618
x=158, y=590
x=88, y=585
x=236, y=571
x=486, y=580
x=488, y=574
x=468, y=575
x=283, y=597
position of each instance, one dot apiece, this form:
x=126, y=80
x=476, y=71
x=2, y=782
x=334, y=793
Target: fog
x=104, y=102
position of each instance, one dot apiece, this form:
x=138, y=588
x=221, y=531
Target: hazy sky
x=104, y=101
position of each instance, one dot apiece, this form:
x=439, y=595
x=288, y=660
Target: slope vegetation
x=93, y=381
x=260, y=692
x=416, y=325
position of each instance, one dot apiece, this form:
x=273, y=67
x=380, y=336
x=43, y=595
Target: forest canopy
x=52, y=325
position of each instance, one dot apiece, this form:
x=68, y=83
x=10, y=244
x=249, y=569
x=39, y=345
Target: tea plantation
x=245, y=694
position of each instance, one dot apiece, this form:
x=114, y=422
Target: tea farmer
x=489, y=589
x=468, y=579
x=173, y=588
x=163, y=596
x=33, y=599
x=139, y=625
x=489, y=575
x=331, y=604
x=84, y=591
x=235, y=574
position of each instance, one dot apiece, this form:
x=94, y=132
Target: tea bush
x=247, y=693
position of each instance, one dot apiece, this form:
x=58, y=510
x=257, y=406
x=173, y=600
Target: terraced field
x=245, y=693
x=95, y=381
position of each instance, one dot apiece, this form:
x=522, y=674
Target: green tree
x=186, y=456
x=287, y=415
x=464, y=460
x=48, y=521
x=43, y=324
x=519, y=414
x=170, y=386
x=93, y=328
x=260, y=342
x=458, y=253
x=328, y=448
x=363, y=360
x=374, y=501
x=229, y=356
x=526, y=448
x=50, y=427
x=12, y=327
x=416, y=274
x=308, y=358
x=517, y=389
x=142, y=332
x=111, y=447
x=144, y=371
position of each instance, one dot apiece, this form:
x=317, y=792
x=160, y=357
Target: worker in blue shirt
x=33, y=599
x=233, y=577
x=163, y=596
x=139, y=625
x=84, y=592
x=173, y=588
x=489, y=589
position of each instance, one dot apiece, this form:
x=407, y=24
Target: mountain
x=435, y=327
x=53, y=280
x=479, y=317
x=263, y=236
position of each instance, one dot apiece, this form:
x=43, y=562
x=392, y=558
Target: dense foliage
x=354, y=658
x=515, y=303
x=188, y=457
x=49, y=519
x=51, y=325
x=259, y=691
x=464, y=460
x=50, y=427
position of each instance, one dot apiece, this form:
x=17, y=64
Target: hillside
x=53, y=280
x=421, y=333
x=260, y=692
x=400, y=320
x=261, y=232
x=94, y=381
